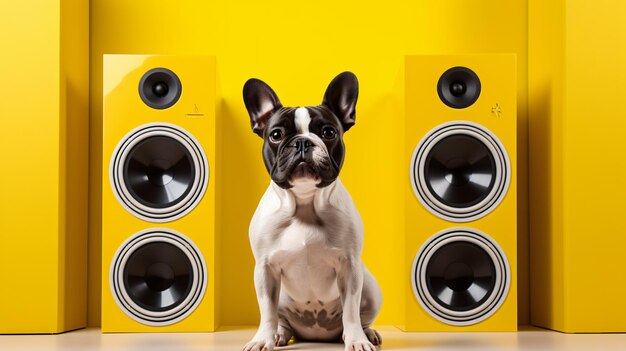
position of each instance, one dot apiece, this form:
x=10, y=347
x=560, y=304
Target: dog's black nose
x=303, y=146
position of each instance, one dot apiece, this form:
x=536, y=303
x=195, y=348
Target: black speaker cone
x=460, y=276
x=159, y=172
x=160, y=88
x=158, y=276
x=460, y=171
x=458, y=87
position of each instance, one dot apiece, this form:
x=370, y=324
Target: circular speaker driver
x=158, y=277
x=159, y=172
x=459, y=87
x=461, y=276
x=160, y=88
x=460, y=171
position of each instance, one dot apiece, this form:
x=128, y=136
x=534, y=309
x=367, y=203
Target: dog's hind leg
x=371, y=300
x=284, y=332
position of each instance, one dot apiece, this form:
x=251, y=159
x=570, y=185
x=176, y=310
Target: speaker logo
x=496, y=110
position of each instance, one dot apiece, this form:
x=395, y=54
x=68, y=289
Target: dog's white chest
x=307, y=262
x=307, y=241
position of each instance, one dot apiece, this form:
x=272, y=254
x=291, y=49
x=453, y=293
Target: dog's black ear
x=261, y=102
x=341, y=96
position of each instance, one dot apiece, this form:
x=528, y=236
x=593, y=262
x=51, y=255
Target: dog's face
x=303, y=143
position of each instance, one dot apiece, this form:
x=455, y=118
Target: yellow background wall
x=298, y=49
x=577, y=53
x=46, y=116
x=43, y=137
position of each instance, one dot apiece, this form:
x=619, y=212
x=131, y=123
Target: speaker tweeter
x=160, y=88
x=458, y=87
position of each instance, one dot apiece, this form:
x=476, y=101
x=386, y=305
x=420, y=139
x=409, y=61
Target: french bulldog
x=306, y=234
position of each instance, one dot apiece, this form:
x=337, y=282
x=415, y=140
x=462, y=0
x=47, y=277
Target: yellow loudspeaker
x=44, y=132
x=158, y=196
x=577, y=140
x=461, y=204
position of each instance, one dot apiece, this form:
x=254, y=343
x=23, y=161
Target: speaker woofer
x=458, y=87
x=461, y=276
x=460, y=171
x=159, y=172
x=158, y=277
x=160, y=88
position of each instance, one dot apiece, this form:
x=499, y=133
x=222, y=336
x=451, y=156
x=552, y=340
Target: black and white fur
x=306, y=234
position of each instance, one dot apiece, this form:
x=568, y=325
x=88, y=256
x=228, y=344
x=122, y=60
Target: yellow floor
x=233, y=339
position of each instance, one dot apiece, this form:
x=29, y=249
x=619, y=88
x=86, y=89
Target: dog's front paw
x=260, y=343
x=356, y=340
x=360, y=345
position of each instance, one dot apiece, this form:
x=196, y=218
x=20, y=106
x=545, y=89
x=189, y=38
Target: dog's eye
x=329, y=133
x=276, y=135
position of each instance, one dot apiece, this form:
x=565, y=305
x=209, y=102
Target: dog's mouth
x=303, y=170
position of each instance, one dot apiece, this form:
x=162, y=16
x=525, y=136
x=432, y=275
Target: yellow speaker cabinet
x=158, y=196
x=44, y=140
x=577, y=130
x=461, y=205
